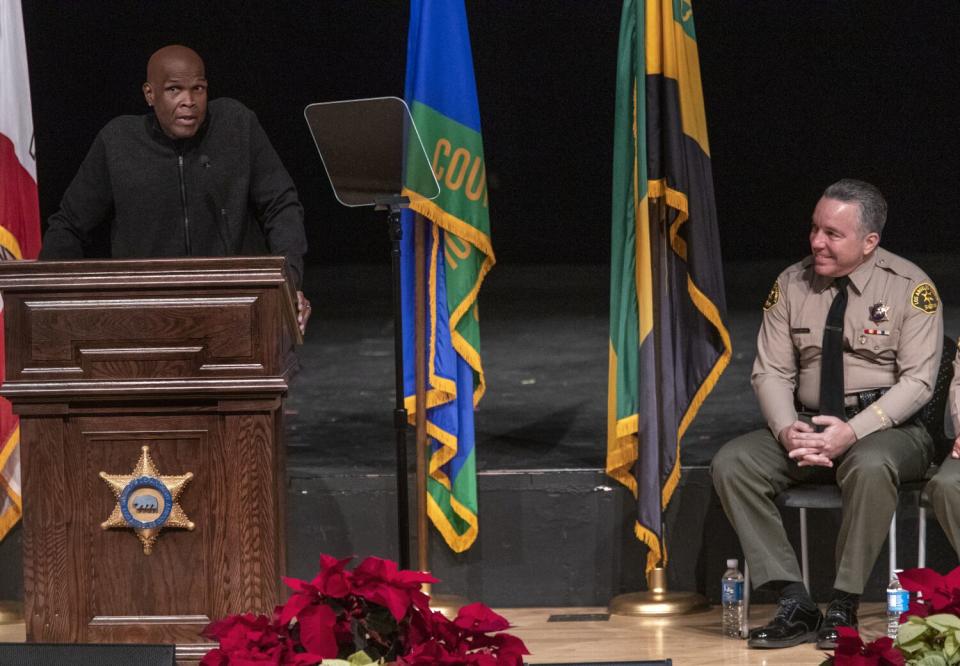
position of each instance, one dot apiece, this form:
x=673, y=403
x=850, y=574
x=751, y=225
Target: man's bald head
x=176, y=87
x=174, y=54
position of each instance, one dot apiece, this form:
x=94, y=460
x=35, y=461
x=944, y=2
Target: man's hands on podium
x=303, y=311
x=810, y=448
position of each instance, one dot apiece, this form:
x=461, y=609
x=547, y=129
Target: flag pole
x=658, y=600
x=448, y=604
x=420, y=386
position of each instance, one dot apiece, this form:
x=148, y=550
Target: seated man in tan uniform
x=847, y=354
x=943, y=490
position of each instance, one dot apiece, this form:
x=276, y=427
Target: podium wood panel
x=189, y=357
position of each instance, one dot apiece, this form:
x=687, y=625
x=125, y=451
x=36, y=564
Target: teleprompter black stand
x=393, y=205
x=373, y=156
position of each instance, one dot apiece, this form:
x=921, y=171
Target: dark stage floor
x=544, y=335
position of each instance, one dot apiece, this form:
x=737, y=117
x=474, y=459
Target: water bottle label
x=732, y=591
x=898, y=601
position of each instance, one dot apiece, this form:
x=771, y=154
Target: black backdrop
x=797, y=95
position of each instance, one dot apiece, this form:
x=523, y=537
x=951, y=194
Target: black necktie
x=831, y=368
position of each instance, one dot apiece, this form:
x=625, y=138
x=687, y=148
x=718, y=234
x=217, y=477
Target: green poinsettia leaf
x=335, y=662
x=950, y=644
x=914, y=647
x=943, y=621
x=360, y=658
x=931, y=659
x=911, y=634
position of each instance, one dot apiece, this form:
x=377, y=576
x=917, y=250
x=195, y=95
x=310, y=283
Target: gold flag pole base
x=658, y=601
x=11, y=612
x=448, y=604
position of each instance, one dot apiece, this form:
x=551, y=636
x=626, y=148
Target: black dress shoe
x=840, y=613
x=796, y=622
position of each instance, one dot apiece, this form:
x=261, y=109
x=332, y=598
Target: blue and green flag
x=442, y=95
x=668, y=341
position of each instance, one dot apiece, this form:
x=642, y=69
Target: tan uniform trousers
x=943, y=492
x=749, y=471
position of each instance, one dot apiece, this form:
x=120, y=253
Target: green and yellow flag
x=442, y=94
x=668, y=341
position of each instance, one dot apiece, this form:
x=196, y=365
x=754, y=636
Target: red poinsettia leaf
x=929, y=583
x=511, y=650
x=915, y=608
x=330, y=563
x=215, y=657
x=257, y=657
x=414, y=578
x=295, y=605
x=879, y=645
x=219, y=628
x=396, y=601
x=420, y=626
x=316, y=630
x=333, y=579
x=849, y=643
x=240, y=633
x=884, y=651
x=857, y=660
x=952, y=579
x=420, y=600
x=891, y=656
x=445, y=630
x=336, y=585
x=428, y=652
x=479, y=618
x=298, y=585
x=305, y=659
x=377, y=568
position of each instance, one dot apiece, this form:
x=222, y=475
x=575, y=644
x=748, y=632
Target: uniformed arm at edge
x=955, y=394
x=918, y=360
x=774, y=377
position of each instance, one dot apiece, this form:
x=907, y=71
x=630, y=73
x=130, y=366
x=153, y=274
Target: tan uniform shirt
x=892, y=337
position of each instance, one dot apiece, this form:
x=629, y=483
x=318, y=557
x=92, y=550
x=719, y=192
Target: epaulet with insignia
x=773, y=297
x=925, y=298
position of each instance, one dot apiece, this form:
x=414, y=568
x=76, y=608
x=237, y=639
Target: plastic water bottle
x=731, y=594
x=898, y=601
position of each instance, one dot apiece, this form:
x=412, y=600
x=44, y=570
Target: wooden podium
x=189, y=357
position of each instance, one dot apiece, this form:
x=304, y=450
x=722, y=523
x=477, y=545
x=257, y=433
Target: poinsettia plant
x=852, y=651
x=374, y=613
x=935, y=593
x=929, y=632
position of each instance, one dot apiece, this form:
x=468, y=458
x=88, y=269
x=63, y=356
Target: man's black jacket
x=222, y=192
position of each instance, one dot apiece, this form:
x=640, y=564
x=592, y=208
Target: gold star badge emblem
x=147, y=501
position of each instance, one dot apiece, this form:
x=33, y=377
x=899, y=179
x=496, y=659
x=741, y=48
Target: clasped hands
x=811, y=448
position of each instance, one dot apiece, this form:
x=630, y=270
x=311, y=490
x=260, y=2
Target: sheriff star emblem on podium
x=147, y=501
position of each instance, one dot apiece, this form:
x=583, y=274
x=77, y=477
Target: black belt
x=864, y=400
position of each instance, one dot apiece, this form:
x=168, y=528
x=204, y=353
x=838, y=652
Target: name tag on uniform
x=799, y=330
